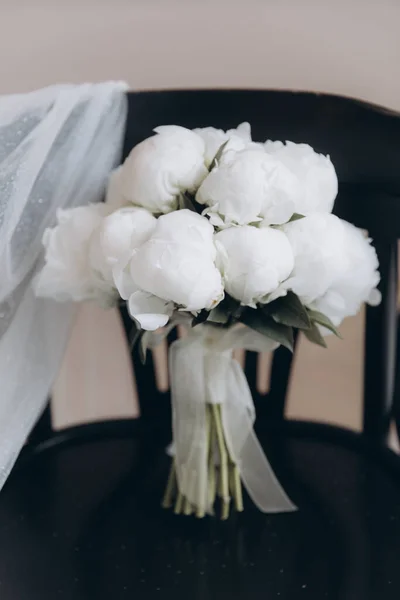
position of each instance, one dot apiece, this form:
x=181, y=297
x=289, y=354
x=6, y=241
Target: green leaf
x=314, y=335
x=321, y=319
x=256, y=319
x=218, y=155
x=185, y=201
x=296, y=217
x=218, y=315
x=288, y=310
x=201, y=318
x=143, y=350
x=232, y=306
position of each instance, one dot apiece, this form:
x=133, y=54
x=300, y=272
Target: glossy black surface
x=82, y=521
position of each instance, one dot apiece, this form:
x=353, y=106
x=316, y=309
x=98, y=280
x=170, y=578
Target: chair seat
x=81, y=520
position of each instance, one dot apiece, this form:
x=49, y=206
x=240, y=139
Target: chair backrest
x=364, y=144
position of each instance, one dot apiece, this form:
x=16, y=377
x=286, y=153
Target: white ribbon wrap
x=203, y=371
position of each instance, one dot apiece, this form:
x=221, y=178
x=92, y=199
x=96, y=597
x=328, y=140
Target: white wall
x=345, y=47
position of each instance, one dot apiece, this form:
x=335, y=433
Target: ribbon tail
x=257, y=474
x=189, y=420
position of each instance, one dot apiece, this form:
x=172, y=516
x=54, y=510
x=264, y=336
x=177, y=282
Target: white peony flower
x=316, y=241
x=237, y=139
x=67, y=273
x=358, y=280
x=119, y=234
x=317, y=184
x=177, y=264
x=335, y=268
x=189, y=229
x=253, y=262
x=162, y=167
x=248, y=187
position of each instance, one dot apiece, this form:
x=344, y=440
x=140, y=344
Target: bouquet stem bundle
x=223, y=479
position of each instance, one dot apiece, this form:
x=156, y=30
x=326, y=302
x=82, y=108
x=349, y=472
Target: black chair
x=80, y=516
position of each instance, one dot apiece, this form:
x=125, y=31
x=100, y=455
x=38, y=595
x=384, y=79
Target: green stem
x=187, y=507
x=223, y=457
x=227, y=481
x=178, y=504
x=200, y=508
x=237, y=488
x=170, y=489
x=211, y=462
x=235, y=483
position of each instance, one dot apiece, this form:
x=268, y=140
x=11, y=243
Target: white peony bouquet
x=236, y=240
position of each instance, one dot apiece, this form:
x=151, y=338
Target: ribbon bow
x=202, y=371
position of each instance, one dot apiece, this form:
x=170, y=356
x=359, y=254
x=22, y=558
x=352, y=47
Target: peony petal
x=215, y=219
x=149, y=311
x=151, y=322
x=243, y=130
x=236, y=139
x=280, y=213
x=374, y=298
x=124, y=282
x=222, y=260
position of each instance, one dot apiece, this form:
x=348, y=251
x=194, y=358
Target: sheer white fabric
x=57, y=147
